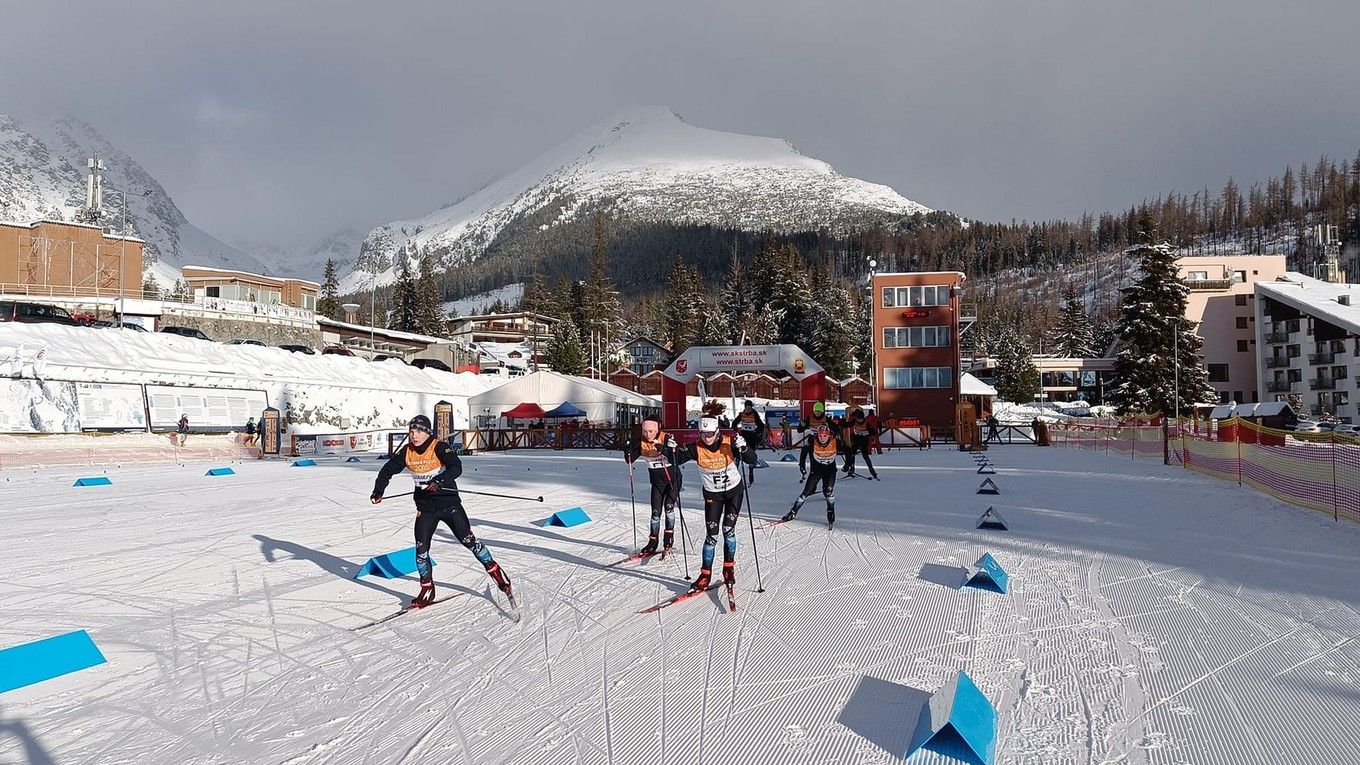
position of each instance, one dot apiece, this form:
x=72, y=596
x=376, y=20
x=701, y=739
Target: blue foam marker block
x=303, y=463
x=572, y=517
x=393, y=565
x=788, y=458
x=958, y=722
x=98, y=480
x=384, y=456
x=986, y=469
x=989, y=575
x=352, y=459
x=48, y=658
x=220, y=471
x=762, y=463
x=988, y=486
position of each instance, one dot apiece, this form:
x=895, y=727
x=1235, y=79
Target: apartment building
x=916, y=325
x=1222, y=303
x=1309, y=333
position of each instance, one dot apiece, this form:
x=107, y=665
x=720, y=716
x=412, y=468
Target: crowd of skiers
x=830, y=445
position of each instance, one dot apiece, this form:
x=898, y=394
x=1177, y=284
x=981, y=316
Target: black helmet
x=422, y=423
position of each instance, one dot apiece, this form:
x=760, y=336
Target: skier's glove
x=376, y=497
x=741, y=444
x=670, y=442
x=432, y=486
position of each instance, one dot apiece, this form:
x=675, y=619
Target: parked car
x=22, y=311
x=430, y=364
x=243, y=341
x=193, y=332
x=337, y=350
x=307, y=349
x=385, y=357
x=119, y=325
x=1347, y=430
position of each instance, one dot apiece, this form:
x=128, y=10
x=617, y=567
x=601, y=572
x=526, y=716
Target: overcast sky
x=281, y=120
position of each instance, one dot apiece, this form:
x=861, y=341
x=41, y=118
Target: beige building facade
x=52, y=258
x=1221, y=300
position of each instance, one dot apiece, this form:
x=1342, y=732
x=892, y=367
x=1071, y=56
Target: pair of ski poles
x=465, y=491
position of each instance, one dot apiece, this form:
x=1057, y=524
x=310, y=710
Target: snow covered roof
x=1316, y=298
x=971, y=386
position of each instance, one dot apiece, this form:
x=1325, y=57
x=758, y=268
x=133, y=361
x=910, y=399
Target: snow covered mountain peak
x=644, y=163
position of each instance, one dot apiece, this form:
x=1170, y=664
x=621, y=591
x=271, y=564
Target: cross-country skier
x=435, y=469
x=820, y=450
x=751, y=428
x=657, y=452
x=717, y=456
x=859, y=443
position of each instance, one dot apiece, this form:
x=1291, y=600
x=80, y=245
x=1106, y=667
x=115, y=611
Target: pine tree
x=429, y=303
x=1160, y=362
x=328, y=302
x=537, y=298
x=564, y=353
x=405, y=316
x=714, y=328
x=1017, y=379
x=733, y=303
x=601, y=309
x=1074, y=336
x=684, y=298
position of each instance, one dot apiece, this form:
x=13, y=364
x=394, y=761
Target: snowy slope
x=1155, y=615
x=44, y=172
x=341, y=246
x=647, y=163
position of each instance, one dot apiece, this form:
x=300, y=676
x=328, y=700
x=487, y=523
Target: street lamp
x=873, y=338
x=122, y=255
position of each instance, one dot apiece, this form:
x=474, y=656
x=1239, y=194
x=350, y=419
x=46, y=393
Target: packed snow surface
x=1155, y=615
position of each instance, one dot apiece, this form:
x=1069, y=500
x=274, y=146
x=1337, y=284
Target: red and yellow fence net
x=1320, y=471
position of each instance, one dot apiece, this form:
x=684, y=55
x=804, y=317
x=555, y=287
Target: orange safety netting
x=1320, y=471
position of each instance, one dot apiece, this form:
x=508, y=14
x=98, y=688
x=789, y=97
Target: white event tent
x=601, y=401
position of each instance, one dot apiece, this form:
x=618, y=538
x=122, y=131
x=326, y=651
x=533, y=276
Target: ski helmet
x=422, y=423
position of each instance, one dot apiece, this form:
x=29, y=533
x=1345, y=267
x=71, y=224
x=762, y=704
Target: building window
x=916, y=337
x=1243, y=346
x=1241, y=322
x=1218, y=373
x=927, y=295
x=901, y=378
x=1239, y=299
x=1237, y=395
x=1240, y=276
x=1197, y=276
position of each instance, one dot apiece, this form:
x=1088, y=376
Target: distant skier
x=816, y=420
x=717, y=456
x=250, y=432
x=435, y=469
x=820, y=450
x=859, y=443
x=752, y=430
x=183, y=429
x=657, y=452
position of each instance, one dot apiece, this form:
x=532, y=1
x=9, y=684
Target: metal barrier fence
x=1319, y=471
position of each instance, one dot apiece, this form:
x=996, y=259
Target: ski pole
x=633, y=496
x=466, y=491
x=684, y=532
x=760, y=582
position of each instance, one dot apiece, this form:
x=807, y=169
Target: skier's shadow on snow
x=328, y=563
x=565, y=557
x=542, y=532
x=884, y=713
x=30, y=749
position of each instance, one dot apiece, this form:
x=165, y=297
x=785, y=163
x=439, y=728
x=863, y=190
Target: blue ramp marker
x=354, y=458
x=98, y=480
x=572, y=517
x=303, y=463
x=788, y=458
x=958, y=722
x=393, y=565
x=762, y=463
x=986, y=469
x=220, y=471
x=987, y=574
x=992, y=520
x=988, y=486
x=48, y=658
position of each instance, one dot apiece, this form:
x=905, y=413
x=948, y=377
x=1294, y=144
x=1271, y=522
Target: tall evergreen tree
x=1160, y=360
x=564, y=353
x=328, y=302
x=405, y=315
x=684, y=298
x=601, y=308
x=1017, y=379
x=1074, y=336
x=429, y=302
x=537, y=298
x=733, y=303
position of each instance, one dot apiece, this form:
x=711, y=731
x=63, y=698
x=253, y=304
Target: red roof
x=525, y=411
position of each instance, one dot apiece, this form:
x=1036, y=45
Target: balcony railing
x=1321, y=358
x=1321, y=383
x=1279, y=387
x=1210, y=284
x=1277, y=362
x=1277, y=337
